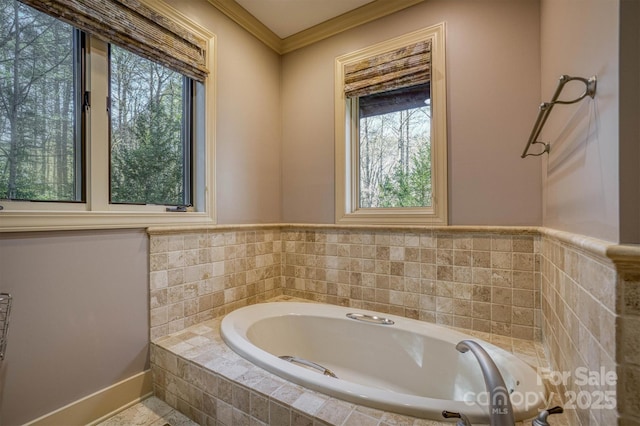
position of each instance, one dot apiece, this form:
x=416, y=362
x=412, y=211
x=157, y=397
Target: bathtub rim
x=417, y=406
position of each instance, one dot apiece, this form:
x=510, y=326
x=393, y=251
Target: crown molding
x=240, y=16
x=366, y=13
x=362, y=15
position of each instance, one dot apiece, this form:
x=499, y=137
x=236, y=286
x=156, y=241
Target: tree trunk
x=12, y=188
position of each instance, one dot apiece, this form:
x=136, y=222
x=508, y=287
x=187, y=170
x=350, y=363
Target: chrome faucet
x=501, y=411
x=462, y=419
x=541, y=420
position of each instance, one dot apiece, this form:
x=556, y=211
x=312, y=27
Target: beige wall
x=247, y=122
x=580, y=176
x=493, y=79
x=81, y=313
x=79, y=320
x=629, y=123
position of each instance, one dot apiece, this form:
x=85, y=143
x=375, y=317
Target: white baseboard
x=101, y=405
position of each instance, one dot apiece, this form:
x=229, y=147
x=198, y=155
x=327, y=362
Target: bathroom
x=81, y=315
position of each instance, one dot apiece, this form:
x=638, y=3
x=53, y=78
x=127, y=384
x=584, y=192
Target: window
x=105, y=135
x=150, y=109
x=391, y=132
x=394, y=155
x=40, y=142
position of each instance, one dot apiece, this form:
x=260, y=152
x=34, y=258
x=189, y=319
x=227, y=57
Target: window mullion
x=98, y=126
x=187, y=129
x=80, y=125
x=354, y=154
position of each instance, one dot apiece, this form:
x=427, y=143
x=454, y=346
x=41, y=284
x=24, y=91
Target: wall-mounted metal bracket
x=546, y=107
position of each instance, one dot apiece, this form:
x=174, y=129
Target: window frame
x=96, y=212
x=347, y=210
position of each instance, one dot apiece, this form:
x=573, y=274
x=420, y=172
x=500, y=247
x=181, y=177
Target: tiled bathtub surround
x=479, y=281
x=581, y=295
x=628, y=338
x=485, y=281
x=579, y=319
x=196, y=372
x=201, y=274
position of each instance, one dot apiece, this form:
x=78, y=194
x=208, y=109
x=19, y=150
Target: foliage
x=37, y=157
x=146, y=142
x=395, y=159
x=149, y=171
x=409, y=189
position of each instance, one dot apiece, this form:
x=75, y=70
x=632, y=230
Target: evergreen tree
x=410, y=188
x=148, y=170
x=146, y=131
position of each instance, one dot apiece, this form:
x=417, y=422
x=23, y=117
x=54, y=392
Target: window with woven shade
x=391, y=132
x=133, y=25
x=107, y=115
x=400, y=68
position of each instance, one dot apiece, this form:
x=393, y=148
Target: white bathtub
x=411, y=367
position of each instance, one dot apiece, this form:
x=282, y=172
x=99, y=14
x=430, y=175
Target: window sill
x=26, y=221
x=394, y=216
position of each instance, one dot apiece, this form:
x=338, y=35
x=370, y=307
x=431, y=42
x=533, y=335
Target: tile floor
x=150, y=412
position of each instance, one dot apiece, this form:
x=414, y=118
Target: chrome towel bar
x=546, y=107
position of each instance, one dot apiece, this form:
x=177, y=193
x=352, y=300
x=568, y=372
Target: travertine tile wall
x=199, y=275
x=628, y=343
x=480, y=281
x=578, y=327
x=485, y=281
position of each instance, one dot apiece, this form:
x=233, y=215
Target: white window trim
x=346, y=136
x=97, y=213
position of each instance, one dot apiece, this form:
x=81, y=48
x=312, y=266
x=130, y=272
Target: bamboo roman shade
x=404, y=67
x=132, y=25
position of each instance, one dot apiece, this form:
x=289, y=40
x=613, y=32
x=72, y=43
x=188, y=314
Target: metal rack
x=546, y=107
x=5, y=311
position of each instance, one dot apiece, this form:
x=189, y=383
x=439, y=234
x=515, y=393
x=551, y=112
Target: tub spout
x=462, y=419
x=501, y=411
